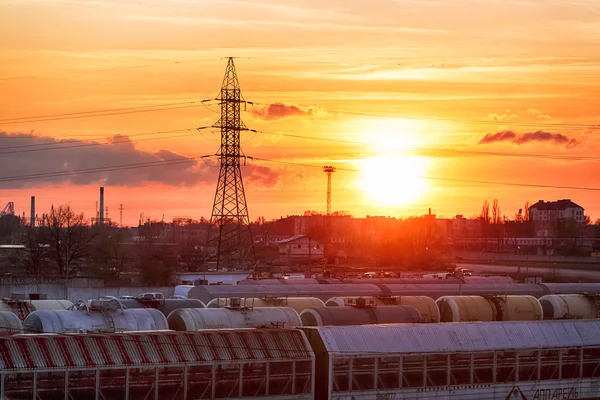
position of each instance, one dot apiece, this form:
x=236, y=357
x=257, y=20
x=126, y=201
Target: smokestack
x=32, y=217
x=101, y=221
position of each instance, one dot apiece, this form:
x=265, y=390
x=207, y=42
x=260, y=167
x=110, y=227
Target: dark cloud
x=279, y=111
x=26, y=154
x=523, y=138
x=502, y=136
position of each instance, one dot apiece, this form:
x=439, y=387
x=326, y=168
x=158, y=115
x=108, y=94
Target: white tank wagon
x=10, y=323
x=22, y=308
x=299, y=304
x=99, y=316
x=569, y=306
x=359, y=315
x=194, y=319
x=489, y=308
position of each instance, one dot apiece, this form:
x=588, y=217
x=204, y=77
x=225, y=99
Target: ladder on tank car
x=110, y=322
x=19, y=307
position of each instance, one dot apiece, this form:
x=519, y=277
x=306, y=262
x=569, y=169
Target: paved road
x=545, y=273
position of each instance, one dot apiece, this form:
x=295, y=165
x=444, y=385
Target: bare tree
x=496, y=213
x=70, y=238
x=526, y=212
x=485, y=212
x=36, y=250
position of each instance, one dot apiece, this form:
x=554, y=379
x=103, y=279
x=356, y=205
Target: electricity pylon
x=229, y=240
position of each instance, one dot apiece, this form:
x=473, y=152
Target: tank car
x=569, y=306
x=297, y=303
x=10, y=323
x=489, y=308
x=193, y=319
x=359, y=315
x=98, y=316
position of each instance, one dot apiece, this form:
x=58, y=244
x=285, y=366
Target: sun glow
x=392, y=176
x=393, y=181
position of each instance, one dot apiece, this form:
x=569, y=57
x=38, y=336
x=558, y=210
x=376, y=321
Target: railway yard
x=390, y=338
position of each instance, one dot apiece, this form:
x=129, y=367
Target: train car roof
x=25, y=353
x=381, y=340
x=471, y=289
x=324, y=292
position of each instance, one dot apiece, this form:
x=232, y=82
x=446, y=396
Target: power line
x=91, y=71
x=107, y=168
x=441, y=179
x=428, y=149
x=118, y=140
x=101, y=113
x=449, y=119
x=182, y=160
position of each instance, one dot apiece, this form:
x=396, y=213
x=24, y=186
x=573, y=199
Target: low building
x=545, y=215
x=300, y=248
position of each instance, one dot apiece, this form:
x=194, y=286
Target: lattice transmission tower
x=229, y=239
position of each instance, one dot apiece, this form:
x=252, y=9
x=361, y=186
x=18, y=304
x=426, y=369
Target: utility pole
x=121, y=215
x=328, y=169
x=229, y=239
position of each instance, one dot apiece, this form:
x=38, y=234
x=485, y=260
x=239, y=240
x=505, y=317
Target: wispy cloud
x=508, y=114
x=523, y=138
x=538, y=114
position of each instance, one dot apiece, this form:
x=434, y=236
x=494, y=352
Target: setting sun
x=393, y=181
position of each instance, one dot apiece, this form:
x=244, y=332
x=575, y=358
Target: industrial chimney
x=101, y=221
x=32, y=217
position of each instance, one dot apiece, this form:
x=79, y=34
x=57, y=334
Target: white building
x=546, y=213
x=298, y=248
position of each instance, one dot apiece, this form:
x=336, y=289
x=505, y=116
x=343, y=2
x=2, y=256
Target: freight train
x=110, y=315
x=491, y=361
x=380, y=290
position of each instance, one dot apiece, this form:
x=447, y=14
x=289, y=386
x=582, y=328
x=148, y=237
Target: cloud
x=538, y=114
x=29, y=155
x=280, y=110
x=508, y=114
x=537, y=136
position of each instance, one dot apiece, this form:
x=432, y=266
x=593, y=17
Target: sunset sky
x=402, y=91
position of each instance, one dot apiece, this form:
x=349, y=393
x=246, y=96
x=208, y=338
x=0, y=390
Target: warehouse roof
x=456, y=337
x=59, y=351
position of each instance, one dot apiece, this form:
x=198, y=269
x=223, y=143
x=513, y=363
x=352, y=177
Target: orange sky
x=388, y=77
